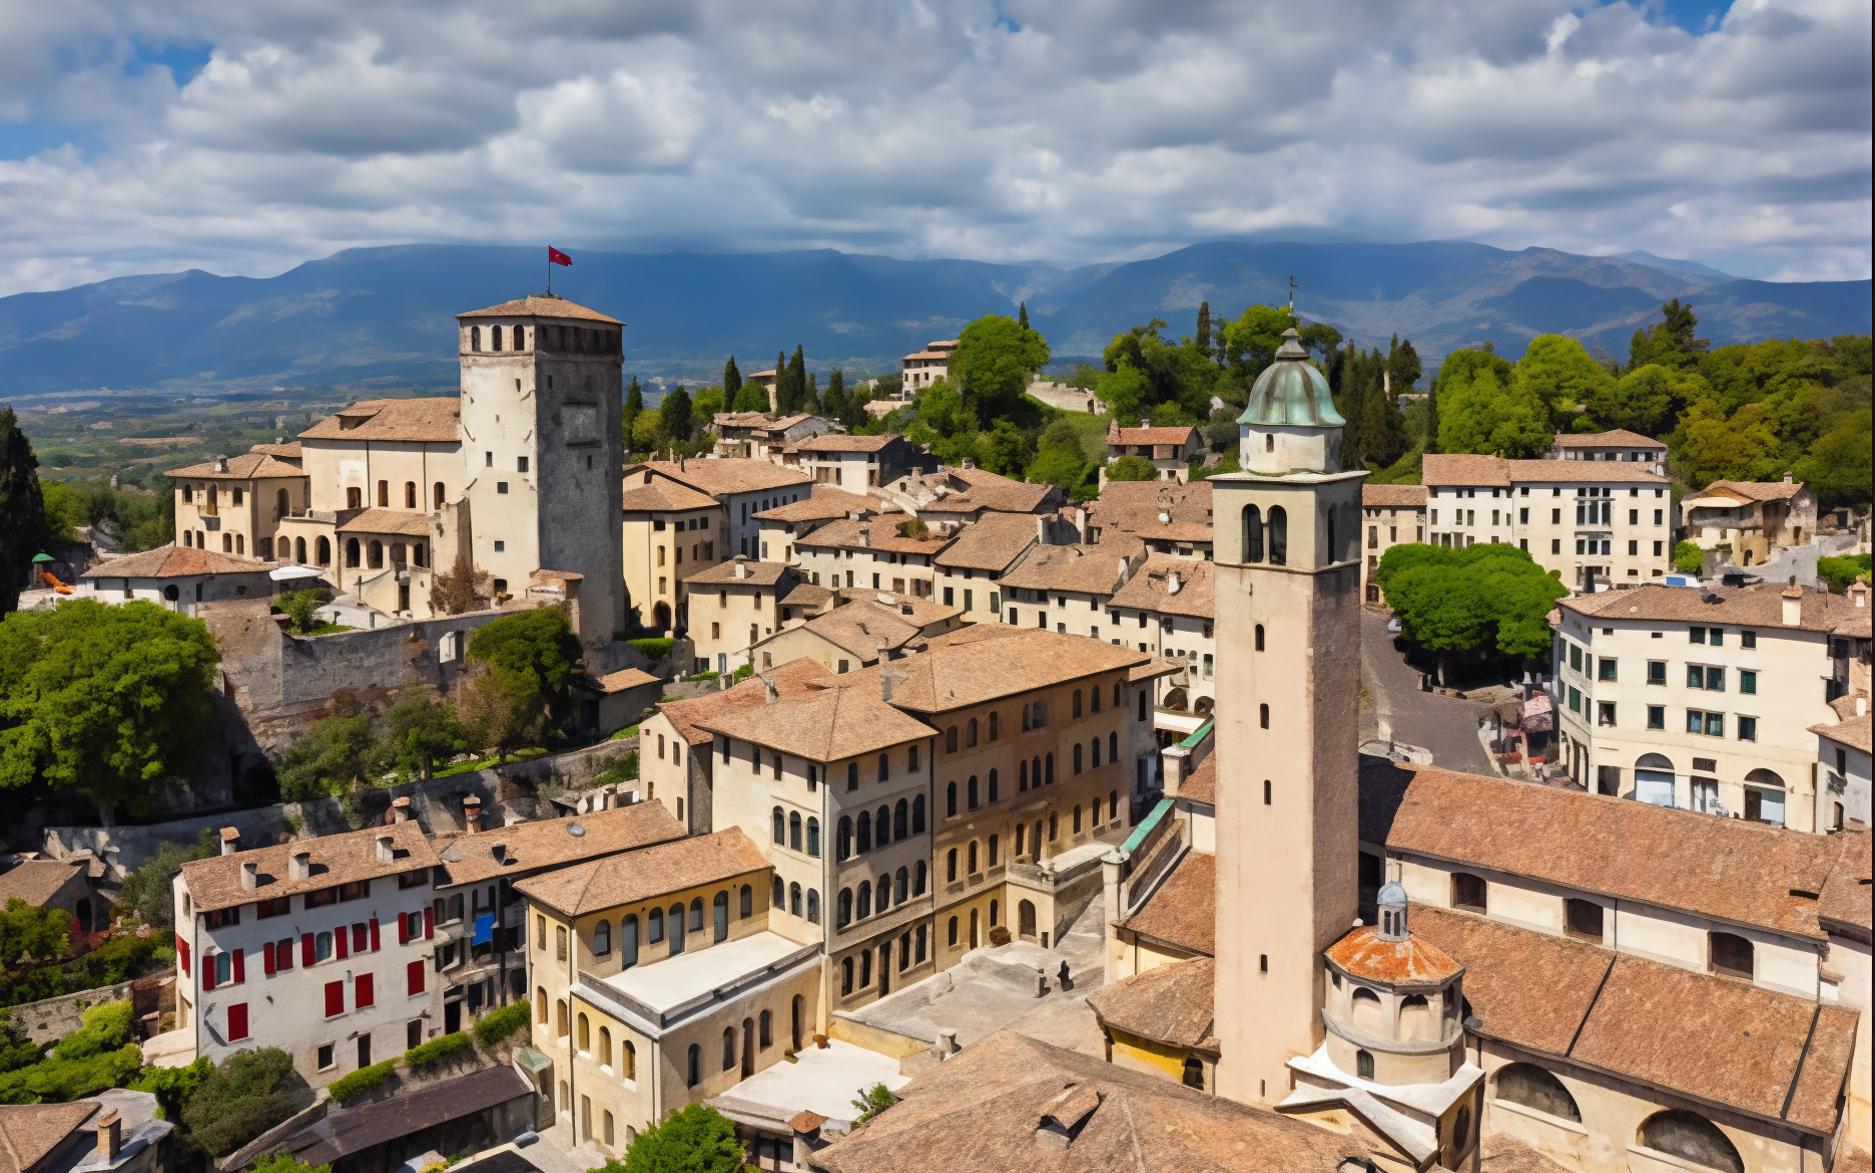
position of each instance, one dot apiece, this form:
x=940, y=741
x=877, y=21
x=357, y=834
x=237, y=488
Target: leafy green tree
x=23, y=527
x=1670, y=342
x=1132, y=468
x=1123, y=391
x=634, y=409
x=285, y=1163
x=103, y=700
x=675, y=422
x=1646, y=399
x=1484, y=415
x=96, y=1056
x=1688, y=557
x=418, y=732
x=29, y=933
x=336, y=754
x=66, y=509
x=1839, y=571
x=732, y=382
x=1058, y=467
x=300, y=607
x=943, y=408
x=873, y=1100
x=1837, y=467
x=1707, y=446
x=834, y=401
x=1560, y=373
x=538, y=643
x=750, y=397
x=694, y=1139
x=993, y=362
x=1005, y=449
x=1476, y=602
x=146, y=891
x=1403, y=368
x=250, y=1092
x=1251, y=340
x=703, y=407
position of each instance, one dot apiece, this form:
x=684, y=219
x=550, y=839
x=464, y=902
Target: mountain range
x=382, y=316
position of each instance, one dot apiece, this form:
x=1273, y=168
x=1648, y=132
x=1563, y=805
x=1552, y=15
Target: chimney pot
x=769, y=692
x=1861, y=705
x=301, y=865
x=110, y=1135
x=250, y=876
x=1172, y=583
x=472, y=813
x=400, y=809
x=230, y=840
x=386, y=853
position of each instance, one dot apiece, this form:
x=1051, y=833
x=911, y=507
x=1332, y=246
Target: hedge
x=498, y=1025
x=654, y=647
x=347, y=1088
x=438, y=1051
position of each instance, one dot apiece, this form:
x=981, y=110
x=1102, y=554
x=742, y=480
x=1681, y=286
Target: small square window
x=326, y=1057
x=520, y=464
x=1656, y=716
x=500, y=545
x=501, y=486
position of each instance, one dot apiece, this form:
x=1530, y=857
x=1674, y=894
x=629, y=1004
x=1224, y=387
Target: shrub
x=438, y=1051
x=299, y=607
x=1841, y=570
x=59, y=1081
x=652, y=647
x=743, y=673
x=497, y=1026
x=1687, y=557
x=347, y=1088
x=248, y=1094
x=623, y=768
x=120, y=957
x=103, y=1028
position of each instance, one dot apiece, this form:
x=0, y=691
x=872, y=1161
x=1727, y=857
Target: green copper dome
x=1291, y=392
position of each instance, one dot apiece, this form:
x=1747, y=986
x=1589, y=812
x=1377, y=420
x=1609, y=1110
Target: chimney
x=1063, y=1116
x=1793, y=603
x=1861, y=704
x=386, y=852
x=769, y=693
x=887, y=682
x=230, y=840
x=400, y=809
x=301, y=866
x=1172, y=583
x=1858, y=594
x=250, y=876
x=970, y=462
x=110, y=1136
x=1165, y=518
x=1041, y=528
x=904, y=608
x=471, y=813
x=1080, y=521
x=742, y=568
x=1145, y=423
x=1787, y=478
x=499, y=851
x=221, y=465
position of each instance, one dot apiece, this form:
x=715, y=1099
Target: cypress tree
x=797, y=381
x=634, y=407
x=833, y=403
x=1383, y=428
x=1022, y=314
x=811, y=401
x=23, y=527
x=1203, y=336
x=732, y=383
x=779, y=400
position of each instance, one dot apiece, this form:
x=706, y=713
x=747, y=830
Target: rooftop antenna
x=1292, y=295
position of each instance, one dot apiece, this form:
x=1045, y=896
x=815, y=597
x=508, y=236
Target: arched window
x=794, y=830
x=1730, y=954
x=1530, y=1086
x=1692, y=1138
x=560, y=1024
x=780, y=827
x=1259, y=637
x=605, y=1046
x=1048, y=768
x=885, y=767
x=904, y=885
x=696, y=914
x=494, y=343
x=865, y=832
x=676, y=920
x=1764, y=797
x=1113, y=805
x=1468, y=892
x=540, y=1005
x=1252, y=534
x=917, y=815
x=994, y=723
x=882, y=822
x=602, y=938
x=654, y=926
x=995, y=850
x=1054, y=826
x=1363, y=1065
x=629, y=1057
x=374, y=554
x=843, y=839
x=845, y=917
x=794, y=900
x=813, y=837
x=1417, y=1022
x=885, y=892
x=1366, y=1013
x=767, y=1030
x=1113, y=746
x=950, y=866
x=410, y=494
x=973, y=857
x=585, y=1032
x=628, y=941
x=813, y=906
x=1077, y=818
x=862, y=905
x=1263, y=716
x=951, y=932
x=901, y=819
x=1093, y=752
x=351, y=552
x=778, y=894
x=436, y=495
x=729, y=1047
x=475, y=338
x=994, y=788
x=950, y=800
x=719, y=915
x=324, y=547
x=1279, y=536
x=1075, y=704
x=1022, y=775
x=971, y=787
x=1194, y=1072
x=970, y=735
x=950, y=740
x=1077, y=757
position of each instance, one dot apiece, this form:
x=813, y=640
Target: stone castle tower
x=541, y=451
x=1288, y=625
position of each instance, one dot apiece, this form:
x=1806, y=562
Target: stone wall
x=51, y=1019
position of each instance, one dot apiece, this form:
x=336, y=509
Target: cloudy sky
x=152, y=135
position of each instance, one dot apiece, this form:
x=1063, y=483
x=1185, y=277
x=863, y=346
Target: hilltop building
x=1754, y=518
x=1170, y=449
x=921, y=368
x=1617, y=445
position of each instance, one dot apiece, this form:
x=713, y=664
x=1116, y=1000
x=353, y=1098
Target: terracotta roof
x=1753, y=490
x=979, y=490
x=1727, y=869
x=536, y=306
x=1153, y=668
x=727, y=476
x=1154, y=510
x=1853, y=733
x=1153, y=436
x=873, y=533
x=1749, y=606
x=835, y=442
x=1201, y=784
x=1624, y=471
x=985, y=661
x=1183, y=912
x=789, y=679
x=910, y=608
x=865, y=629
x=37, y=880
x=1500, y=1152
x=822, y=725
x=546, y=843
x=806, y=594
x=1616, y=438
x=175, y=562
x=1150, y=588
x=1464, y=468
x=991, y=542
x=925, y=354
x=248, y=466
x=1170, y=1004
x=1713, y=1038
x=29, y=1132
x=806, y=1120
x=646, y=492
x=626, y=678
x=824, y=504
x=759, y=421
x=1092, y=569
x=1393, y=496
x=286, y=450
x=754, y=574
x=430, y=420
x=647, y=872
x=387, y=521
x=215, y=883
x=983, y=1107
x=1364, y=953
x=1845, y=896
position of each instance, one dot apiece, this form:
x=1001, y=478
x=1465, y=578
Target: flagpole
x=549, y=272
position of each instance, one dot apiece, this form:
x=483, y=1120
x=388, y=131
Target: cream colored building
x=1617, y=445
x=1170, y=517
x=884, y=552
x=733, y=606
x=859, y=464
x=1842, y=766
x=862, y=629
x=176, y=578
x=234, y=505
x=1171, y=450
x=1703, y=699
x=777, y=528
x=756, y=435
x=921, y=368
x=1593, y=524
x=1391, y=515
x=743, y=488
x=1066, y=589
x=660, y=977
x=1754, y=518
x=668, y=530
x=1168, y=610
x=965, y=494
x=968, y=573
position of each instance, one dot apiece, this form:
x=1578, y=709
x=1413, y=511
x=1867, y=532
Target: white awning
x=294, y=573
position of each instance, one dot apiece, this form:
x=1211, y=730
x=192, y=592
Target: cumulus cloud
x=1067, y=130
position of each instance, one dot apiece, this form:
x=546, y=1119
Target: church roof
x=537, y=306
x=1291, y=392
x=1367, y=955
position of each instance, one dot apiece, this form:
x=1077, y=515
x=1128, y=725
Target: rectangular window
x=1747, y=681
x=278, y=906
x=1575, y=699
x=1605, y=670
x=335, y=999
x=1656, y=716
x=1575, y=658
x=364, y=992
x=1748, y=729
x=237, y=1022
x=415, y=978
x=520, y=464
x=1747, y=639
x=1656, y=671
x=1696, y=635
x=1604, y=713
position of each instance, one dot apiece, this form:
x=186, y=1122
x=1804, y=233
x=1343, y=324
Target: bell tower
x=1288, y=627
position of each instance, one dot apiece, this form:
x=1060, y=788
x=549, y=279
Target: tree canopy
x=23, y=528
x=103, y=700
x=994, y=360
x=1474, y=602
x=694, y=1139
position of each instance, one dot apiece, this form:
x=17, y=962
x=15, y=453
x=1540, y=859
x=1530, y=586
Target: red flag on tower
x=556, y=257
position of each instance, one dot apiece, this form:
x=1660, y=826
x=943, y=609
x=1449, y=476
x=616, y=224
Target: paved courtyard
x=1398, y=711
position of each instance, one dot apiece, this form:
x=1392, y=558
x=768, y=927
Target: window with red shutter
x=208, y=971
x=182, y=954
x=335, y=999
x=429, y=923
x=266, y=958
x=240, y=965
x=374, y=935
x=414, y=978
x=403, y=928
x=360, y=934
x=283, y=953
x=237, y=1022
x=340, y=940
x=364, y=991
x=306, y=950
